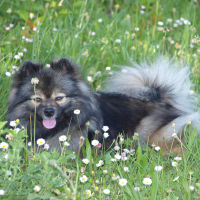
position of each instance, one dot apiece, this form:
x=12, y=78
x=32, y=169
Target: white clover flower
x=174, y=164
x=105, y=128
x=40, y=141
x=17, y=57
x=93, y=33
x=158, y=168
x=142, y=12
x=63, y=138
x=11, y=25
x=126, y=169
x=176, y=178
x=88, y=192
x=124, y=158
x=106, y=191
x=48, y=65
x=126, y=151
x=13, y=123
x=4, y=145
x=186, y=22
x=6, y=157
x=174, y=135
x=157, y=148
x=121, y=140
x=136, y=189
x=105, y=135
x=83, y=178
x=25, y=49
x=126, y=32
x=29, y=143
x=76, y=36
x=95, y=142
x=191, y=187
x=67, y=144
x=100, y=20
x=143, y=7
x=85, y=160
x=77, y=112
x=34, y=28
x=46, y=146
x=122, y=181
x=137, y=28
x=108, y=68
x=9, y=173
x=17, y=130
x=116, y=148
x=117, y=156
x=177, y=158
x=147, y=181
x=160, y=23
x=37, y=188
x=55, y=29
x=118, y=41
x=2, y=192
x=175, y=25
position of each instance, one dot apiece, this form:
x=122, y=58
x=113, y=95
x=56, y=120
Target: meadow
x=98, y=35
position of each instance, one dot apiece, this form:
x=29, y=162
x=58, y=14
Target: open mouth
x=49, y=123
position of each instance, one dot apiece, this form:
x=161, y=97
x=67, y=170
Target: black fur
x=122, y=113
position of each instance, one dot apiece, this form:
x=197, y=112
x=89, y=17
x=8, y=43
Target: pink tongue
x=49, y=123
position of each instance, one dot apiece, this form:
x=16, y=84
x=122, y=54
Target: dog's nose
x=49, y=112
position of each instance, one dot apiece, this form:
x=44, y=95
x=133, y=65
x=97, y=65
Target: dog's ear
x=29, y=68
x=64, y=65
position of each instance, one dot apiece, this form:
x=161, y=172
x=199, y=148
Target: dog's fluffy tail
x=163, y=80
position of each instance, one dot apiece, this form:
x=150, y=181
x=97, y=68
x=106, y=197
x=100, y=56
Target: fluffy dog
x=143, y=98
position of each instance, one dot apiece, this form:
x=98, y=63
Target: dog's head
x=58, y=92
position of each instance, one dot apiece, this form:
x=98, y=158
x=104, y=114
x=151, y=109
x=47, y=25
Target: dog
x=144, y=98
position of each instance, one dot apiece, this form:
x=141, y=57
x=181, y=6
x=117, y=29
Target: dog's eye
x=37, y=99
x=59, y=98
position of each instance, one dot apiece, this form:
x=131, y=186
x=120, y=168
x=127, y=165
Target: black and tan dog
x=145, y=99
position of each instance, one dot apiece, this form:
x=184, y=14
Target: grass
x=74, y=30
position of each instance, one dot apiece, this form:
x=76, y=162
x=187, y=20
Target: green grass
x=55, y=37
